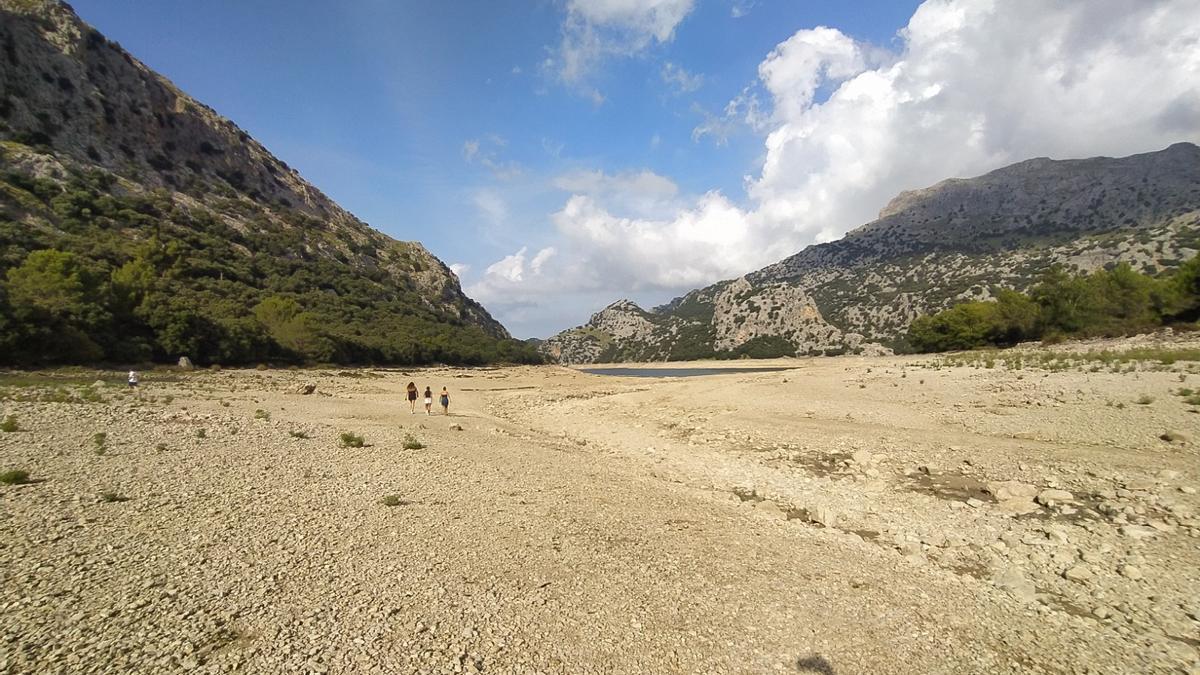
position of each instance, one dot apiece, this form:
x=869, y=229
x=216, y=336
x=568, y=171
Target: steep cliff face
x=81, y=119
x=931, y=248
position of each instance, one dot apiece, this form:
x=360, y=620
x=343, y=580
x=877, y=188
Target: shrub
x=411, y=443
x=100, y=439
x=9, y=424
x=392, y=500
x=261, y=414
x=14, y=477
x=350, y=440
x=1144, y=399
x=300, y=434
x=201, y=433
x=109, y=497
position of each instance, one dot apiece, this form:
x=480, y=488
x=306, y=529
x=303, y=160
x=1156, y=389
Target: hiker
x=428, y=401
x=133, y=379
x=412, y=397
x=445, y=401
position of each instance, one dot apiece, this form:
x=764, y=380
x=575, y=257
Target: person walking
x=445, y=401
x=428, y=401
x=133, y=379
x=412, y=397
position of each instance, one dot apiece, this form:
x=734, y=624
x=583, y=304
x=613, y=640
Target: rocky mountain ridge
x=79, y=112
x=928, y=249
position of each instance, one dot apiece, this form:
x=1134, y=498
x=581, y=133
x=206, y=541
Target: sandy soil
x=815, y=520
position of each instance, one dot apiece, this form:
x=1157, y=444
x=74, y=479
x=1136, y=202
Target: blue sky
x=563, y=154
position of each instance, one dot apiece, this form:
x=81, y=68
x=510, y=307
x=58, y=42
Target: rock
x=1140, y=484
x=861, y=457
x=1161, y=526
x=770, y=508
x=186, y=364
x=974, y=503
x=1050, y=497
x=456, y=427
x=1138, y=531
x=1011, y=489
x=305, y=389
x=1188, y=490
x=1102, y=612
x=1017, y=506
x=1174, y=436
x=1079, y=573
x=1169, y=474
x=823, y=515
x=1013, y=581
x=1132, y=572
x=958, y=506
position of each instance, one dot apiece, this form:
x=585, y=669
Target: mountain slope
x=107, y=161
x=927, y=250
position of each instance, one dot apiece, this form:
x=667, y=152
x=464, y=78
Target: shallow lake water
x=679, y=372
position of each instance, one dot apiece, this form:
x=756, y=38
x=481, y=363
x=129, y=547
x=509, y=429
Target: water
x=679, y=372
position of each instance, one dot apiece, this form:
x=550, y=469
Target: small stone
x=957, y=506
x=1175, y=436
x=1017, y=506
x=1161, y=526
x=974, y=503
x=1132, y=572
x=823, y=515
x=1188, y=490
x=862, y=457
x=1049, y=497
x=769, y=508
x=1138, y=531
x=1013, y=581
x=1011, y=489
x=1079, y=573
x=1102, y=612
x=305, y=389
x=1169, y=474
x=456, y=427
x=1140, y=484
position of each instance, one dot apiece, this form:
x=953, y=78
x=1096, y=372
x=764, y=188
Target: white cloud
x=459, y=269
x=595, y=30
x=971, y=86
x=680, y=80
x=491, y=205
x=741, y=8
x=486, y=153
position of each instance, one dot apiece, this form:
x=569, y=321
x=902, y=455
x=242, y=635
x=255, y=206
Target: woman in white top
x=133, y=379
x=428, y=401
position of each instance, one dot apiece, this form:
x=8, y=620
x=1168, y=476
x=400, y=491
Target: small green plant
x=201, y=433
x=261, y=414
x=411, y=443
x=9, y=424
x=161, y=447
x=350, y=440
x=1120, y=405
x=109, y=497
x=1144, y=399
x=224, y=404
x=299, y=434
x=14, y=477
x=391, y=500
x=100, y=439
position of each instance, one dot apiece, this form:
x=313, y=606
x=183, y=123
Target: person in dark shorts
x=428, y=401
x=133, y=379
x=412, y=397
x=445, y=401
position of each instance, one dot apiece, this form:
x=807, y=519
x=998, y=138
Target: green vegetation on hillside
x=91, y=271
x=1112, y=302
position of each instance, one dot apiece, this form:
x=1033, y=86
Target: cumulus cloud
x=596, y=30
x=971, y=85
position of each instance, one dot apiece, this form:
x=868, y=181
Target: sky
x=563, y=154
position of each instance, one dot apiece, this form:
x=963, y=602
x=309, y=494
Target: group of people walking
x=443, y=398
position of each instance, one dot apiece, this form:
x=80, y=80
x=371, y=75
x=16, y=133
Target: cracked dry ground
x=813, y=521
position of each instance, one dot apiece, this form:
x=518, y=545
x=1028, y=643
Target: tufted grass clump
x=411, y=443
x=14, y=477
x=1144, y=399
x=261, y=414
x=299, y=434
x=9, y=424
x=110, y=497
x=391, y=500
x=350, y=440
x=201, y=433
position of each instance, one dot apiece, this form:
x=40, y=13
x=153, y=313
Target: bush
x=299, y=434
x=109, y=497
x=411, y=443
x=261, y=414
x=392, y=500
x=9, y=424
x=14, y=477
x=350, y=440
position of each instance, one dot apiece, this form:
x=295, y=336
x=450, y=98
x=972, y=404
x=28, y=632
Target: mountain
x=171, y=231
x=928, y=249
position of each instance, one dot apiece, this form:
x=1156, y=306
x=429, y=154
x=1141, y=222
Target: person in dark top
x=412, y=397
x=445, y=401
x=428, y=401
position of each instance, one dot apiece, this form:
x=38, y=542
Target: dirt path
x=579, y=524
